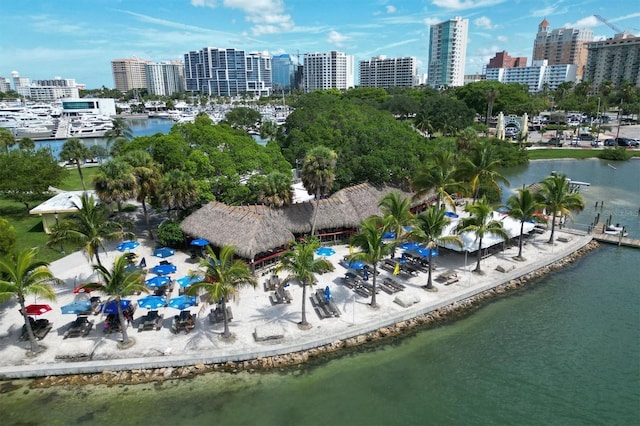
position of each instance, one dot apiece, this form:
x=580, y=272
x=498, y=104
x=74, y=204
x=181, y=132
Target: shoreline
x=448, y=311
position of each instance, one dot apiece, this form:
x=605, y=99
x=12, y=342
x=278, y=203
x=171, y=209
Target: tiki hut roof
x=257, y=229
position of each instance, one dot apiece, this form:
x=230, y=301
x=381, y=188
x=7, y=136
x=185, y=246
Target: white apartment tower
x=447, y=53
x=129, y=74
x=384, y=72
x=332, y=70
x=165, y=78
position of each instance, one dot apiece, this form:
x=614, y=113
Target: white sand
x=251, y=311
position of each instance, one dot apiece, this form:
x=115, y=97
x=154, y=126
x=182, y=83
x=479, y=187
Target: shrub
x=170, y=234
x=616, y=154
x=7, y=237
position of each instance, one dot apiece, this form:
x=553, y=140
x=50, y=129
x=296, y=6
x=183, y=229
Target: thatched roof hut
x=257, y=229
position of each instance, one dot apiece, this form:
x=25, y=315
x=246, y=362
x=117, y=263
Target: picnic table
x=185, y=321
x=216, y=315
x=325, y=308
x=151, y=321
x=281, y=295
x=80, y=327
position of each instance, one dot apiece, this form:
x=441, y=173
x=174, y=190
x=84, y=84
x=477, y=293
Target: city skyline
x=41, y=40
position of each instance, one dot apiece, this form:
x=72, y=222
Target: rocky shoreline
x=321, y=353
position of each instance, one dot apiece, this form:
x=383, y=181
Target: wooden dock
x=600, y=236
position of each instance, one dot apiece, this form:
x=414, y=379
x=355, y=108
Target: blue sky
x=78, y=39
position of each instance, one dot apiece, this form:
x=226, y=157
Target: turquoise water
x=563, y=352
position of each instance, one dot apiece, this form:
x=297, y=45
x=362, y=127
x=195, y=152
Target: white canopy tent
x=470, y=242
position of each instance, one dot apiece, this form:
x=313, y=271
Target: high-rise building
x=44, y=90
x=447, y=53
x=5, y=84
x=615, y=60
x=22, y=85
x=503, y=60
x=384, y=72
x=562, y=46
x=165, y=78
x=539, y=76
x=283, y=71
x=227, y=72
x=331, y=70
x=129, y=74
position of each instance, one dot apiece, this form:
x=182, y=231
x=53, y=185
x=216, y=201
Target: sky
x=44, y=39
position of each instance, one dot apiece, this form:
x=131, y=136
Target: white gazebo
x=58, y=206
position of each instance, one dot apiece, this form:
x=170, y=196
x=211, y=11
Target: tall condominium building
x=129, y=74
x=562, y=46
x=22, y=85
x=5, y=84
x=165, y=78
x=384, y=72
x=283, y=71
x=616, y=60
x=539, y=76
x=503, y=60
x=45, y=90
x=331, y=70
x=227, y=72
x=447, y=53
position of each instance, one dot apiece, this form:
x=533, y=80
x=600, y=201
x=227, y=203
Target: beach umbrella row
x=164, y=252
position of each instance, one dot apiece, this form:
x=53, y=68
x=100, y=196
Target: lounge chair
x=80, y=327
x=151, y=321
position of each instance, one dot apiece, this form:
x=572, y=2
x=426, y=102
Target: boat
x=616, y=230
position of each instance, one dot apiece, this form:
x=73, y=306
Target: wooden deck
x=600, y=236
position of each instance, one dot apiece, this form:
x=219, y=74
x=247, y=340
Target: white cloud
x=203, y=3
x=588, y=22
x=483, y=22
x=267, y=15
x=465, y=4
x=431, y=21
x=502, y=39
x=391, y=9
x=336, y=38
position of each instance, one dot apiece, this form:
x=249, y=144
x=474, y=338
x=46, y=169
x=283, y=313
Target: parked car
x=626, y=142
x=610, y=142
x=555, y=141
x=595, y=143
x=586, y=137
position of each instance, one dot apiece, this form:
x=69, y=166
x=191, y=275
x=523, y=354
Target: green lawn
x=72, y=181
x=559, y=153
x=29, y=230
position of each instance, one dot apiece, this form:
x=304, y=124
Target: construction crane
x=609, y=24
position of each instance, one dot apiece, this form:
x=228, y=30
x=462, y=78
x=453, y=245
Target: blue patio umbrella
x=325, y=251
x=76, y=307
x=186, y=281
x=112, y=307
x=158, y=281
x=354, y=264
x=164, y=269
x=182, y=302
x=409, y=245
x=163, y=252
x=451, y=215
x=200, y=242
x=327, y=294
x=388, y=235
x=127, y=245
x=152, y=302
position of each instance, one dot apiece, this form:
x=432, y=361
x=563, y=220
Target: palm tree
x=482, y=225
x=302, y=265
x=118, y=283
x=223, y=278
x=120, y=129
x=523, y=206
x=465, y=138
x=439, y=175
x=276, y=190
x=318, y=174
x=147, y=174
x=73, y=150
x=480, y=166
x=115, y=182
x=177, y=191
x=396, y=211
x=556, y=195
x=429, y=227
x=7, y=140
x=372, y=247
x=21, y=275
x=491, y=95
x=89, y=226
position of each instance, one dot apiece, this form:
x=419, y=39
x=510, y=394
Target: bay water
x=565, y=351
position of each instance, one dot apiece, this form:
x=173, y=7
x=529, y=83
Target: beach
x=254, y=315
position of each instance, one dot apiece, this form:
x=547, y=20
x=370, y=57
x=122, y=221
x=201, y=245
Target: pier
x=600, y=236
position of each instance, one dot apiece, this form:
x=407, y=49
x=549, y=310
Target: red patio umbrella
x=36, y=309
x=88, y=288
